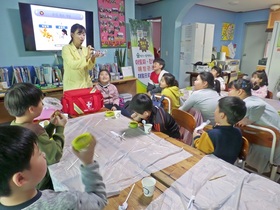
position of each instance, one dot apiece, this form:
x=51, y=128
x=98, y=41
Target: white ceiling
x=230, y=5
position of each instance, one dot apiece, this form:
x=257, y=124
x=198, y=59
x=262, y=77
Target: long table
x=118, y=159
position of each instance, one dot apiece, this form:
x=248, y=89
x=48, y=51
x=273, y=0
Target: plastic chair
x=184, y=119
x=266, y=136
x=166, y=103
x=244, y=152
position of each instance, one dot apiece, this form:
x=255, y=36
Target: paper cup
x=148, y=128
x=117, y=113
x=148, y=184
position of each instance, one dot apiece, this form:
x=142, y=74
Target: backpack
x=157, y=101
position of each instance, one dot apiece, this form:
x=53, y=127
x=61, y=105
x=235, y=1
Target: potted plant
x=120, y=58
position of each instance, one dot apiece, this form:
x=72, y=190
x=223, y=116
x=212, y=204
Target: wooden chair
x=231, y=77
x=244, y=152
x=269, y=94
x=266, y=136
x=184, y=119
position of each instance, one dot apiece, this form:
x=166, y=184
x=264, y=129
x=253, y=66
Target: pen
x=216, y=177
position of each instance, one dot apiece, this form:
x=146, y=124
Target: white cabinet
x=196, y=45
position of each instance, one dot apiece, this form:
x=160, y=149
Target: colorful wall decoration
x=111, y=16
x=228, y=31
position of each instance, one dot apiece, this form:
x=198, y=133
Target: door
x=156, y=25
x=254, y=46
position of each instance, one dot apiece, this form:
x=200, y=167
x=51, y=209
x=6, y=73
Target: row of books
x=42, y=75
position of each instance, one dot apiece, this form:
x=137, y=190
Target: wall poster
x=142, y=51
x=111, y=16
x=228, y=31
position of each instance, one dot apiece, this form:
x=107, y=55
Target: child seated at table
x=260, y=83
x=24, y=102
x=110, y=92
x=143, y=108
x=224, y=140
x=259, y=112
x=204, y=97
x=169, y=86
x=23, y=166
x=217, y=73
x=155, y=77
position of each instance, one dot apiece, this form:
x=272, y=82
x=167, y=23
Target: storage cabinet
x=273, y=16
x=196, y=46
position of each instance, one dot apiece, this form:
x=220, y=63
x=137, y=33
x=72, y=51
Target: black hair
x=16, y=150
x=233, y=107
x=212, y=83
x=219, y=70
x=160, y=61
x=140, y=103
x=76, y=27
x=243, y=84
x=170, y=79
x=20, y=97
x=64, y=31
x=102, y=71
x=261, y=75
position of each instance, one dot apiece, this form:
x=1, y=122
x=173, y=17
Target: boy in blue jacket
x=224, y=140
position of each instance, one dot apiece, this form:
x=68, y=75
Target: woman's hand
x=90, y=52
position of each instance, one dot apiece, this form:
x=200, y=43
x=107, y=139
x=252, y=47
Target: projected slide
x=52, y=26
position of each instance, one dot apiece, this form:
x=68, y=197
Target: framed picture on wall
x=111, y=17
x=228, y=31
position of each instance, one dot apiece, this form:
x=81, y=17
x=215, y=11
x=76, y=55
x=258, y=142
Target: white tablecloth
x=121, y=162
x=236, y=189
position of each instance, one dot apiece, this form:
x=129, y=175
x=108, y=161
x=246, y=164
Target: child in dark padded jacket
x=143, y=108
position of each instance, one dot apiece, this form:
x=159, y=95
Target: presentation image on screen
x=52, y=26
x=47, y=28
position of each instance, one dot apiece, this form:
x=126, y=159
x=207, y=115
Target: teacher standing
x=77, y=60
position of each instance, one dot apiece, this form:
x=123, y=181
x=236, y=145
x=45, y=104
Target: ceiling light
x=233, y=2
x=275, y=7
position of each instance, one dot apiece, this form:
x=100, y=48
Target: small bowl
x=109, y=113
x=82, y=141
x=133, y=124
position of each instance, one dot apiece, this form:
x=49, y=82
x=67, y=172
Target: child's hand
x=149, y=94
x=135, y=117
x=86, y=156
x=58, y=119
x=113, y=108
x=197, y=133
x=243, y=122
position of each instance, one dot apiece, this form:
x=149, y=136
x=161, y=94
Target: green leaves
x=120, y=56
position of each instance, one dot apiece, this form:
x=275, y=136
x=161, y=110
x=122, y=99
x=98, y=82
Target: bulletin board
x=111, y=16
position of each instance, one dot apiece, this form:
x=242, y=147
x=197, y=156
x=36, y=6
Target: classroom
x=167, y=122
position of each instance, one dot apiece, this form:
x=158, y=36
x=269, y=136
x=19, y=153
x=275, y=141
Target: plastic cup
x=148, y=128
x=148, y=184
x=117, y=113
x=133, y=124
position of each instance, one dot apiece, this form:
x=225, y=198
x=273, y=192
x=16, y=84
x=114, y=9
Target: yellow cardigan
x=76, y=68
